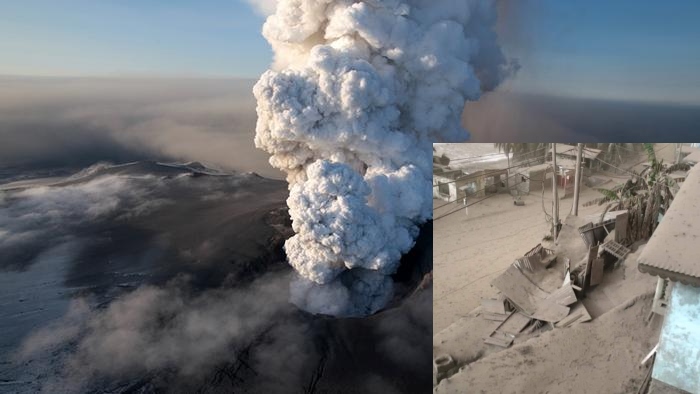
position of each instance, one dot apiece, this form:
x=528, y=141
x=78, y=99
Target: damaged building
x=452, y=184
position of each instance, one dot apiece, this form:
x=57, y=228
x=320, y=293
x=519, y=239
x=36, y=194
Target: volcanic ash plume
x=358, y=92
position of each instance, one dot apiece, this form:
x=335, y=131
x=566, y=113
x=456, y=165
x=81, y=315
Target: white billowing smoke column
x=358, y=92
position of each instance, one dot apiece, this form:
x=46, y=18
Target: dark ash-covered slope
x=149, y=277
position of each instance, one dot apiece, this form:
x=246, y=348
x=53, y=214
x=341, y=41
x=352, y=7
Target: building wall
x=438, y=190
x=452, y=184
x=678, y=357
x=533, y=181
x=483, y=183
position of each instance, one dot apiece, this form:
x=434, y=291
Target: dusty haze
x=50, y=122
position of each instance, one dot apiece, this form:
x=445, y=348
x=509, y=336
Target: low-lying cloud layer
x=174, y=329
x=103, y=199
x=51, y=122
x=47, y=216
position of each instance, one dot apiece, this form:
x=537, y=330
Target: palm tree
x=644, y=195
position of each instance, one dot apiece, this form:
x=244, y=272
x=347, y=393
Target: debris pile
x=546, y=286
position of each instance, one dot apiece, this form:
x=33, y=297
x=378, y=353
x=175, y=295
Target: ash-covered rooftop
x=673, y=250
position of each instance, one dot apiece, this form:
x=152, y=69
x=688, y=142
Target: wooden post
x=555, y=193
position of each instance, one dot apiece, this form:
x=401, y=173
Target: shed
x=533, y=179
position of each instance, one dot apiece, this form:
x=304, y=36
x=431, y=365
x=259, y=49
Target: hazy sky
x=145, y=37
x=625, y=49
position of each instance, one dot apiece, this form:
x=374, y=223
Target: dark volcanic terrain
x=152, y=277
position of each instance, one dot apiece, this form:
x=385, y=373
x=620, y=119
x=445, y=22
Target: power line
x=655, y=152
x=628, y=171
x=477, y=157
x=495, y=154
x=460, y=208
x=492, y=172
x=623, y=170
x=476, y=202
x=477, y=191
x=547, y=216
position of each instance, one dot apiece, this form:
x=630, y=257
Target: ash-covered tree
x=645, y=195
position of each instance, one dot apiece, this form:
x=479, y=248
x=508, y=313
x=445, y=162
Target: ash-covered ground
x=151, y=277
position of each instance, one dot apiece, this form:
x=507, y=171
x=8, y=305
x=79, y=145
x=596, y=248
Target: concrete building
x=450, y=185
x=532, y=179
x=447, y=183
x=672, y=255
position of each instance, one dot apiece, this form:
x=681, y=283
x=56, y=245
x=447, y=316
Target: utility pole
x=577, y=176
x=555, y=193
x=508, y=148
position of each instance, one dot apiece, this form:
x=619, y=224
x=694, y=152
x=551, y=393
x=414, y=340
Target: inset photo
x=565, y=267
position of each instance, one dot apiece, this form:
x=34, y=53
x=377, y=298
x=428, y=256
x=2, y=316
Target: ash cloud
x=357, y=93
x=76, y=122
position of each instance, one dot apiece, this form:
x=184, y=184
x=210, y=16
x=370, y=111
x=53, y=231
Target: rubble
x=616, y=249
x=570, y=277
x=544, y=287
x=504, y=334
x=527, y=297
x=579, y=314
x=496, y=309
